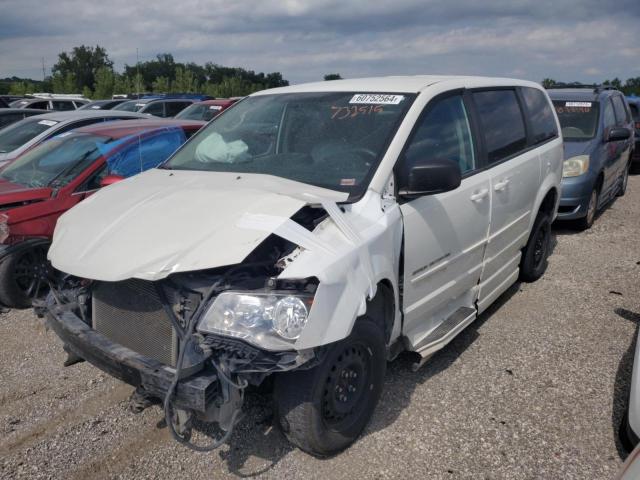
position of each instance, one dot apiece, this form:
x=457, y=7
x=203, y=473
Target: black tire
x=625, y=181
x=323, y=410
x=586, y=222
x=22, y=276
x=535, y=254
x=627, y=437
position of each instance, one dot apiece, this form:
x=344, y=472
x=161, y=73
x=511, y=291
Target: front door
x=444, y=234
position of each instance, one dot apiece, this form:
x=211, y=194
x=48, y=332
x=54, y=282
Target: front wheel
x=624, y=182
x=23, y=276
x=324, y=409
x=586, y=222
x=536, y=252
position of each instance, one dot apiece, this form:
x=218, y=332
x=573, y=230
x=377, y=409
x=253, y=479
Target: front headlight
x=272, y=321
x=575, y=166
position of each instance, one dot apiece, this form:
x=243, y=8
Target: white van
x=310, y=233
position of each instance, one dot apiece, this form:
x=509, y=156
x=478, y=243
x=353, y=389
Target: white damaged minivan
x=307, y=236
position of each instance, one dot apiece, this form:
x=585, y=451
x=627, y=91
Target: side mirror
x=616, y=134
x=110, y=180
x=428, y=177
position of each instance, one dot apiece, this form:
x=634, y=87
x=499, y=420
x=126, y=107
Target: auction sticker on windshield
x=376, y=98
x=48, y=123
x=578, y=104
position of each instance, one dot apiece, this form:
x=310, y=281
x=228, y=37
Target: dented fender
x=350, y=252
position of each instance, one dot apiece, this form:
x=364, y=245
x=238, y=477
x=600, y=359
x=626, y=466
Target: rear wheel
x=324, y=409
x=23, y=276
x=536, y=252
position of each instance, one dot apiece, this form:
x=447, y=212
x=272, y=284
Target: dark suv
x=598, y=139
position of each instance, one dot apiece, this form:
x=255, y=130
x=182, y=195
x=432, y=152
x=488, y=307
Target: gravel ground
x=533, y=389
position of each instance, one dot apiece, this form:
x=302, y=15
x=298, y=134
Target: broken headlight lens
x=272, y=321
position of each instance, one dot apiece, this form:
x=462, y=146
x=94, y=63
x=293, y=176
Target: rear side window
x=62, y=105
x=173, y=108
x=501, y=122
x=155, y=109
x=443, y=133
x=43, y=105
x=543, y=122
x=621, y=112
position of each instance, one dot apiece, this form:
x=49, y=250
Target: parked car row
x=307, y=236
x=163, y=106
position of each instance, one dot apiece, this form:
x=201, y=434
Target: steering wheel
x=573, y=132
x=365, y=151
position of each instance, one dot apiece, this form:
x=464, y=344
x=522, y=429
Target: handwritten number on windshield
x=340, y=113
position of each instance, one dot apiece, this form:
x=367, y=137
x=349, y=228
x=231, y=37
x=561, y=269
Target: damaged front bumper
x=194, y=393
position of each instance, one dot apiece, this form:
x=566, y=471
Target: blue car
x=634, y=105
x=598, y=132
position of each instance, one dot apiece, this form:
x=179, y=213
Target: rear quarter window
x=501, y=123
x=540, y=115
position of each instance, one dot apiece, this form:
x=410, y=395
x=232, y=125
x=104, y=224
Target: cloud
x=573, y=39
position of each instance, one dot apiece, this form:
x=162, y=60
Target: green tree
x=83, y=63
x=160, y=85
x=64, y=83
x=615, y=83
x=548, y=82
x=162, y=66
x=632, y=86
x=87, y=93
x=21, y=88
x=138, y=84
x=333, y=76
x=185, y=81
x=122, y=85
x=105, y=83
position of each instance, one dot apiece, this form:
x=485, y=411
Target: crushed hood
x=166, y=221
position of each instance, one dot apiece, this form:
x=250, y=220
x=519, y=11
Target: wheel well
x=381, y=308
x=600, y=181
x=549, y=202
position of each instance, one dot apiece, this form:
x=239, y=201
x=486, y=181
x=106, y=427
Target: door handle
x=500, y=186
x=479, y=195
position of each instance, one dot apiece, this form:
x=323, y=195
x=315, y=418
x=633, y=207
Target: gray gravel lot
x=534, y=389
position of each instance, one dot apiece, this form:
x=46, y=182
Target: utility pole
x=44, y=74
x=137, y=74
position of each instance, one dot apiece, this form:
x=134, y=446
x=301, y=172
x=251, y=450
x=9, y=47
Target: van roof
x=393, y=84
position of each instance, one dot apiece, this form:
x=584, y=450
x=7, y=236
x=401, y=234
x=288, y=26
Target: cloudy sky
x=587, y=40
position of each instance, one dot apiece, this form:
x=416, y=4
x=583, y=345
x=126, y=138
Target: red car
x=207, y=109
x=48, y=180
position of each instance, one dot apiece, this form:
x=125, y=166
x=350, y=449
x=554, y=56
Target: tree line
x=90, y=71
x=630, y=87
